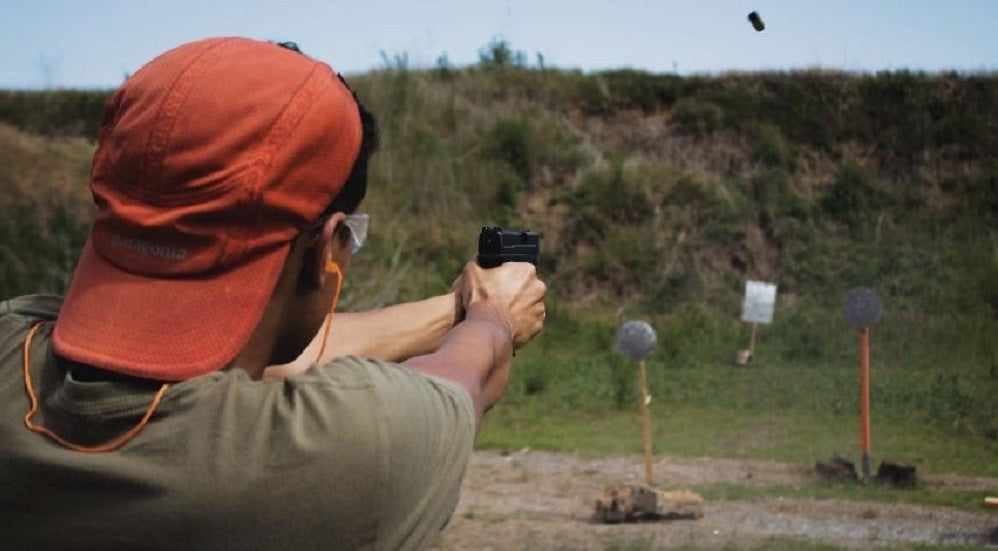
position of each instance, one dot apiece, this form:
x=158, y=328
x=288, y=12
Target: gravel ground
x=541, y=500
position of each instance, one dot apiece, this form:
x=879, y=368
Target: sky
x=97, y=43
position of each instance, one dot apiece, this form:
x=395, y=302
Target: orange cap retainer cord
x=331, y=268
x=110, y=446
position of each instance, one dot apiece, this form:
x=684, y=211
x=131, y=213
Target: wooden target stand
x=635, y=341
x=757, y=308
x=627, y=502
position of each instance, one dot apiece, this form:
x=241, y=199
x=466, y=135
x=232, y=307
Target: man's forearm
x=393, y=333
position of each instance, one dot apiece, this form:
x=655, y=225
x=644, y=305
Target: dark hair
x=355, y=187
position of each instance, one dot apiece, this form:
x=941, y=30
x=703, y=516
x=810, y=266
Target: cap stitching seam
x=168, y=114
x=193, y=194
x=264, y=153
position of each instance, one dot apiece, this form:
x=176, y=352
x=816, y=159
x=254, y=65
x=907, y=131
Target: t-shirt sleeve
x=430, y=429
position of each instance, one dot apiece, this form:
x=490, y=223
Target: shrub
x=498, y=54
x=696, y=116
x=853, y=199
x=631, y=89
x=54, y=112
x=510, y=141
x=770, y=148
x=606, y=197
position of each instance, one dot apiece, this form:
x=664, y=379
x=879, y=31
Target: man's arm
x=392, y=334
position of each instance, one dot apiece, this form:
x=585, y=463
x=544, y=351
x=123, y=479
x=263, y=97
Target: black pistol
x=497, y=245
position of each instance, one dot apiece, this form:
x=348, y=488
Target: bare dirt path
x=541, y=500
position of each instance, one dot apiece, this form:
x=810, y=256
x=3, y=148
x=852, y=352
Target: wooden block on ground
x=634, y=503
x=896, y=474
x=837, y=468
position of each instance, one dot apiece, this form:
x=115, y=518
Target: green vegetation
x=622, y=542
x=794, y=544
x=657, y=197
x=714, y=430
x=965, y=500
x=44, y=210
x=56, y=113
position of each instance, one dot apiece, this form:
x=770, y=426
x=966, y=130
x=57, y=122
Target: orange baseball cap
x=211, y=159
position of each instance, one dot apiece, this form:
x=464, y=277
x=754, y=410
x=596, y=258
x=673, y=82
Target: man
x=134, y=413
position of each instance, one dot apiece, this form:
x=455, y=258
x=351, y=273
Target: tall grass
x=45, y=210
x=657, y=196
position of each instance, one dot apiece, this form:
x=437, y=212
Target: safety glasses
x=357, y=224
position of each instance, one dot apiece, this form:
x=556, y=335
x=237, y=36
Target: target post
x=864, y=354
x=635, y=341
x=862, y=307
x=645, y=420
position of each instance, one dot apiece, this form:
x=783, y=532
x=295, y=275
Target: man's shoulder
x=381, y=375
x=403, y=397
x=36, y=306
x=18, y=314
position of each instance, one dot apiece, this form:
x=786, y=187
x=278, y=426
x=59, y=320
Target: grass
x=45, y=208
x=621, y=542
x=710, y=431
x=794, y=544
x=963, y=500
x=570, y=392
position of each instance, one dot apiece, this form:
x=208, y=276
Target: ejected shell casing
x=757, y=23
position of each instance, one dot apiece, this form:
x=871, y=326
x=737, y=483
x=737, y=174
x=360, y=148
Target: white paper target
x=760, y=300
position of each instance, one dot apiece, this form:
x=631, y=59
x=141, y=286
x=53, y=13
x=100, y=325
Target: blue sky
x=95, y=43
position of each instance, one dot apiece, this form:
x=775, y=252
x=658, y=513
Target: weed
x=499, y=54
x=509, y=141
x=854, y=200
x=697, y=116
x=770, y=147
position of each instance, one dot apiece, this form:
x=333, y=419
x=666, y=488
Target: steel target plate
x=636, y=340
x=862, y=307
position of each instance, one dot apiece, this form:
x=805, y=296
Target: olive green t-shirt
x=353, y=454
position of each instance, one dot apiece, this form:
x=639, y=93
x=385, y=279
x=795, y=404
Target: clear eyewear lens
x=357, y=223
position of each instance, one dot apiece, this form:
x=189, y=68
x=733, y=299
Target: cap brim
x=165, y=329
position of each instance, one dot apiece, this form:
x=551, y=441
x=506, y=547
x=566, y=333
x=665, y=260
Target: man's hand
x=513, y=291
x=503, y=310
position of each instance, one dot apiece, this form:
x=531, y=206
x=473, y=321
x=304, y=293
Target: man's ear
x=316, y=255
